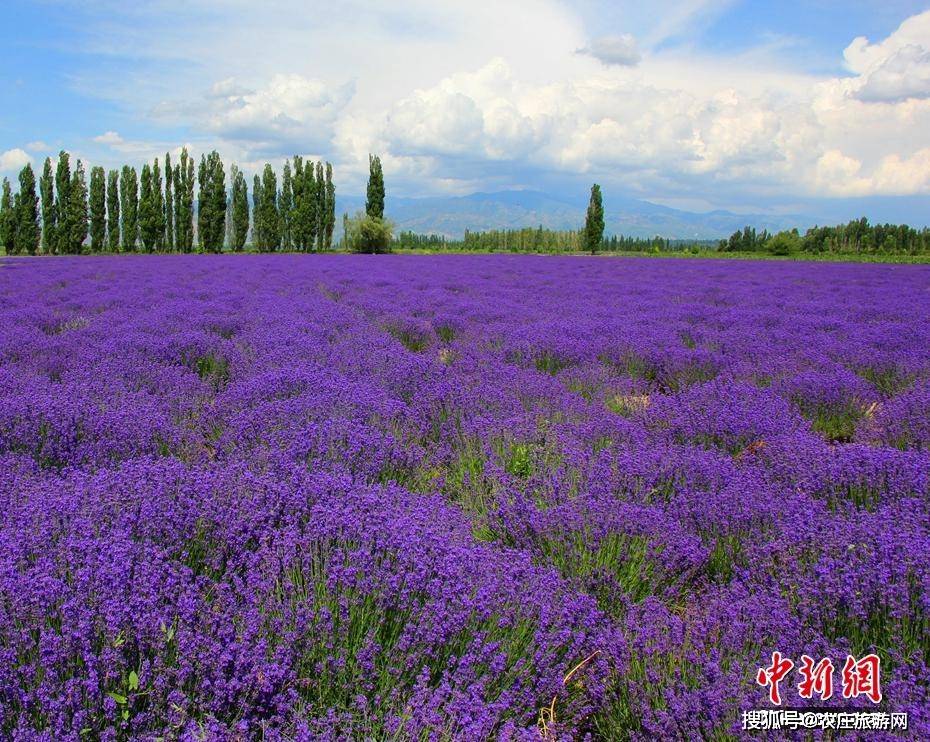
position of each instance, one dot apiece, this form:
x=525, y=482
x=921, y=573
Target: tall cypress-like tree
x=7, y=219
x=77, y=210
x=257, y=229
x=594, y=221
x=211, y=212
x=129, y=206
x=240, y=210
x=320, y=207
x=270, y=219
x=147, y=220
x=26, y=239
x=113, y=241
x=49, y=215
x=158, y=199
x=98, y=209
x=330, y=207
x=170, y=244
x=374, y=206
x=286, y=208
x=184, y=202
x=62, y=205
x=305, y=205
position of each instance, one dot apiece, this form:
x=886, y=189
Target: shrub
x=369, y=234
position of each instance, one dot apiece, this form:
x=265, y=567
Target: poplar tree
x=239, y=209
x=258, y=230
x=305, y=205
x=321, y=216
x=113, y=240
x=270, y=218
x=77, y=210
x=170, y=243
x=27, y=233
x=129, y=206
x=211, y=212
x=184, y=202
x=594, y=221
x=330, y=206
x=98, y=207
x=158, y=200
x=374, y=206
x=47, y=189
x=147, y=224
x=62, y=206
x=286, y=207
x=7, y=219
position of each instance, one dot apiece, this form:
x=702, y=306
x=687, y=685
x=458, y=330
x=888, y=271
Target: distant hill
x=452, y=215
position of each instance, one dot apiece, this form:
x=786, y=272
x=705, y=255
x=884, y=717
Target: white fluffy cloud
x=14, y=159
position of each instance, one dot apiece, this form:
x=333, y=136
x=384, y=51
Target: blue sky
x=815, y=107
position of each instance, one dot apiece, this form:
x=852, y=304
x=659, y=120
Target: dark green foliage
x=98, y=209
x=7, y=219
x=304, y=221
x=594, y=221
x=184, y=202
x=77, y=211
x=170, y=243
x=374, y=205
x=62, y=207
x=147, y=224
x=113, y=221
x=129, y=207
x=330, y=201
x=158, y=199
x=26, y=239
x=856, y=238
x=240, y=209
x=286, y=208
x=49, y=214
x=211, y=212
x=321, y=216
x=267, y=217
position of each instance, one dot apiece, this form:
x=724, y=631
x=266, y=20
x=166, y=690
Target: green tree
x=369, y=234
x=113, y=239
x=77, y=210
x=158, y=199
x=784, y=243
x=147, y=220
x=240, y=209
x=211, y=212
x=269, y=217
x=594, y=221
x=305, y=205
x=170, y=243
x=184, y=202
x=321, y=207
x=129, y=207
x=330, y=223
x=26, y=239
x=62, y=206
x=374, y=205
x=98, y=209
x=49, y=215
x=286, y=208
x=7, y=219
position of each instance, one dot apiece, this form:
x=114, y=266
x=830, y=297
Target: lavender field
x=446, y=497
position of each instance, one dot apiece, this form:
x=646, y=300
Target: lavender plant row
x=455, y=497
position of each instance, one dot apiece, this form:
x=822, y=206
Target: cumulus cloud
x=621, y=51
x=14, y=159
x=896, y=68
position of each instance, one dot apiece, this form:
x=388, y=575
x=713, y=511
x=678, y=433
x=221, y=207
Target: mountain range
x=450, y=216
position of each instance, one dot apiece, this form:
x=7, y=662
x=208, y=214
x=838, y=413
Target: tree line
x=857, y=237
x=155, y=210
